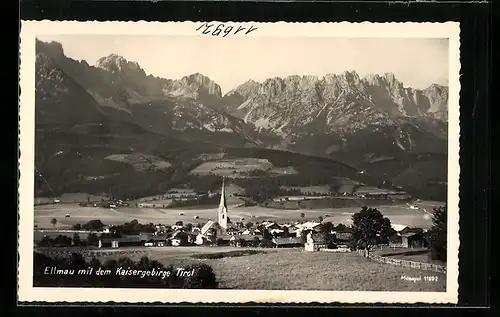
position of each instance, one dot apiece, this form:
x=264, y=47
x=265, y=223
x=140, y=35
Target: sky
x=231, y=61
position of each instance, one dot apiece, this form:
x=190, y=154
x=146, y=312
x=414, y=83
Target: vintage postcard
x=208, y=162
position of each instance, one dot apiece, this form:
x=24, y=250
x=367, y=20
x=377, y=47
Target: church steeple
x=223, y=207
x=223, y=195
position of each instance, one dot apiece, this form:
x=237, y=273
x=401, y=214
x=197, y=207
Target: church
x=212, y=229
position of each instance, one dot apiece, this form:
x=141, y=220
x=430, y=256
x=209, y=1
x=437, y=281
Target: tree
x=93, y=225
x=77, y=227
x=45, y=242
x=327, y=227
x=368, y=228
x=437, y=234
x=179, y=223
x=302, y=215
x=53, y=221
x=61, y=240
x=320, y=218
x=249, y=225
x=76, y=239
x=255, y=241
x=266, y=235
x=341, y=228
x=303, y=236
x=188, y=227
x=92, y=239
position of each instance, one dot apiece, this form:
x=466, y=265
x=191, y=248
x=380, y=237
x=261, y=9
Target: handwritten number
x=227, y=31
x=207, y=29
x=217, y=30
x=222, y=29
x=251, y=29
x=200, y=26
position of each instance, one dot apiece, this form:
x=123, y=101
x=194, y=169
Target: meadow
x=240, y=167
x=140, y=161
x=290, y=269
x=398, y=214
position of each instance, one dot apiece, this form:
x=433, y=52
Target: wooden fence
x=405, y=263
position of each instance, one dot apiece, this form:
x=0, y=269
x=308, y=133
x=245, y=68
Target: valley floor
x=398, y=214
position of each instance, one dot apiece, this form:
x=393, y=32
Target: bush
x=204, y=277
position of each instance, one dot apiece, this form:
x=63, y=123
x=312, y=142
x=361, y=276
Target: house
x=307, y=226
x=412, y=240
x=272, y=226
x=310, y=225
x=315, y=242
x=247, y=231
x=276, y=232
x=211, y=226
x=342, y=239
x=398, y=228
x=181, y=238
x=410, y=230
x=232, y=230
x=244, y=241
x=155, y=241
x=239, y=240
x=408, y=240
x=133, y=240
x=290, y=242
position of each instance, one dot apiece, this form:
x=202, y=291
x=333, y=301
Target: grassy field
x=140, y=161
x=398, y=214
x=325, y=189
x=292, y=269
x=240, y=167
x=71, y=198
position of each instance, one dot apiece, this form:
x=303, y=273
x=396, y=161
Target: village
x=310, y=235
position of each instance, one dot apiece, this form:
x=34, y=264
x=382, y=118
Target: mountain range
x=342, y=117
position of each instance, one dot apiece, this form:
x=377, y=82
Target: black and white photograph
x=180, y=157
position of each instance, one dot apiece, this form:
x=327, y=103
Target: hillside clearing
x=140, y=161
x=240, y=167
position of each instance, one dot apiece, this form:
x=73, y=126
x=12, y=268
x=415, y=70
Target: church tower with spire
x=223, y=208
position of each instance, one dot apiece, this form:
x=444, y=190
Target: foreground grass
x=296, y=269
x=300, y=270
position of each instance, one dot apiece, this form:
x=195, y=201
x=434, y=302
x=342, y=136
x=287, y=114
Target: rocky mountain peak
x=114, y=63
x=246, y=90
x=52, y=49
x=196, y=86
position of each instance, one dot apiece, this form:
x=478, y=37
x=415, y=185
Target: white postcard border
x=31, y=29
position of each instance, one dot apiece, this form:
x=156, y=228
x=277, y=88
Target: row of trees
x=65, y=241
